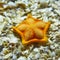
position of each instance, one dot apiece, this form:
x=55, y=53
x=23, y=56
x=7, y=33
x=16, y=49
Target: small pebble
x=36, y=50
x=52, y=47
x=58, y=58
x=21, y=58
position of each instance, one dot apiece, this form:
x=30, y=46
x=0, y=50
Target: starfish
x=32, y=30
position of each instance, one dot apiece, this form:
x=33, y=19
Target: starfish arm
x=47, y=26
x=17, y=31
x=44, y=40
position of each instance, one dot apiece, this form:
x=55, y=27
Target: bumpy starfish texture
x=32, y=30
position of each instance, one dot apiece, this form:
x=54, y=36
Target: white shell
x=8, y=55
x=36, y=50
x=21, y=58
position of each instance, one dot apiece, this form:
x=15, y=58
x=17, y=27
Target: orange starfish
x=32, y=30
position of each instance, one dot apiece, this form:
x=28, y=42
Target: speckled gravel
x=12, y=12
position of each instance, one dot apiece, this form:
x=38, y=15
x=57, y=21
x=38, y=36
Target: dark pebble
x=1, y=47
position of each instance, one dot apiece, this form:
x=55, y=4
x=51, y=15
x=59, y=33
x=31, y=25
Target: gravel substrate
x=12, y=12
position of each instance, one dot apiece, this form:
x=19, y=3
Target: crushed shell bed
x=12, y=13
